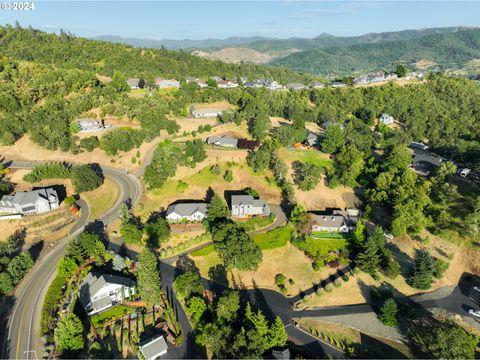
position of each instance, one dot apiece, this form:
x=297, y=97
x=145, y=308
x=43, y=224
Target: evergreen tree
x=217, y=210
x=421, y=276
x=149, y=278
x=334, y=139
x=68, y=333
x=277, y=335
x=369, y=259
x=388, y=313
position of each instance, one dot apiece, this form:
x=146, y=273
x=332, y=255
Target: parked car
x=389, y=236
x=474, y=313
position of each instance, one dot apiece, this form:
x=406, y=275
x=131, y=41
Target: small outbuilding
x=154, y=347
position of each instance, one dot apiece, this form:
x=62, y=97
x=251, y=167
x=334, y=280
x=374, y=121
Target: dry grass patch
x=101, y=199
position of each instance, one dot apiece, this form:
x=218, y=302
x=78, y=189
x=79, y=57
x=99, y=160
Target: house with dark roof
x=243, y=206
x=313, y=139
x=281, y=353
x=423, y=163
x=189, y=211
x=222, y=141
x=335, y=220
x=153, y=347
x=100, y=291
x=30, y=202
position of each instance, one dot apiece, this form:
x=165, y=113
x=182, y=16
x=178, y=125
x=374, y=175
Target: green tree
x=421, y=276
x=334, y=139
x=260, y=159
x=84, y=178
x=6, y=283
x=401, y=70
x=68, y=333
x=388, y=313
x=216, y=210
x=228, y=176
x=306, y=175
x=187, y=284
x=369, y=259
x=347, y=166
x=358, y=235
x=90, y=143
x=119, y=82
x=446, y=341
x=196, y=150
x=196, y=307
x=157, y=232
x=66, y=267
x=228, y=306
x=148, y=278
x=259, y=126
x=18, y=266
x=131, y=233
x=277, y=335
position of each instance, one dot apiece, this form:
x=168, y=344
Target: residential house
x=189, y=211
x=243, y=206
x=337, y=84
x=167, y=83
x=133, y=83
x=91, y=125
x=329, y=123
x=418, y=145
x=296, y=86
x=222, y=141
x=255, y=83
x=227, y=84
x=100, y=291
x=386, y=119
x=317, y=85
x=30, y=202
x=216, y=78
x=281, y=353
x=272, y=85
x=201, y=83
x=206, y=113
x=424, y=163
x=153, y=347
x=336, y=220
x=391, y=76
x=313, y=139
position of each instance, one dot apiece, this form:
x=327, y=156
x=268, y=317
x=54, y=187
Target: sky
x=222, y=19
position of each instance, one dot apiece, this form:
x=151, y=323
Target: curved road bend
x=24, y=323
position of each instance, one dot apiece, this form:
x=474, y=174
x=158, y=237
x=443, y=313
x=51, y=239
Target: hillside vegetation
x=447, y=50
x=68, y=51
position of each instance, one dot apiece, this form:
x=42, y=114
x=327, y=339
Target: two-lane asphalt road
x=23, y=331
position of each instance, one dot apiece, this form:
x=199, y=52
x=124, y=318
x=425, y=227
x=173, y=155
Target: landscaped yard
x=113, y=313
x=329, y=235
x=273, y=239
x=309, y=156
x=256, y=222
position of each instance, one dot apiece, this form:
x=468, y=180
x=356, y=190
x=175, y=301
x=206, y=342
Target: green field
x=273, y=239
x=204, y=252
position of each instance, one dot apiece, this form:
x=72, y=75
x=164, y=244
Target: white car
x=475, y=313
x=389, y=236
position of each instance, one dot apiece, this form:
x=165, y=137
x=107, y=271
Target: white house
x=206, y=113
x=342, y=221
x=92, y=125
x=154, y=347
x=272, y=85
x=167, y=83
x=386, y=119
x=296, y=86
x=243, y=206
x=30, y=202
x=201, y=83
x=194, y=212
x=227, y=84
x=317, y=85
x=100, y=292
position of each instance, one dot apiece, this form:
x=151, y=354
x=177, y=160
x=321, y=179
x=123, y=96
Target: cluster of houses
x=30, y=202
x=381, y=76
x=241, y=207
x=92, y=125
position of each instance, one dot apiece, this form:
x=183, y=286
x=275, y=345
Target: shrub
x=84, y=178
x=90, y=143
x=346, y=278
x=328, y=288
x=228, y=176
x=337, y=283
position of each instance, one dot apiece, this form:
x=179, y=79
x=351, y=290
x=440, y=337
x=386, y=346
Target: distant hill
x=438, y=51
x=181, y=44
x=101, y=57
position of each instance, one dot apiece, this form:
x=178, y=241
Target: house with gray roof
x=336, y=220
x=243, y=206
x=206, y=113
x=30, y=202
x=167, y=83
x=133, y=83
x=338, y=84
x=317, y=85
x=296, y=86
x=313, y=139
x=189, y=211
x=386, y=119
x=100, y=291
x=222, y=141
x=154, y=347
x=424, y=163
x=272, y=85
x=91, y=125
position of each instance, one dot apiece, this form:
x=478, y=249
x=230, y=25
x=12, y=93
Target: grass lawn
x=102, y=199
x=110, y=314
x=321, y=247
x=205, y=259
x=329, y=235
x=204, y=252
x=256, y=222
x=308, y=156
x=273, y=239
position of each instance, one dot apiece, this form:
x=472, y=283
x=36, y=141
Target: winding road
x=23, y=341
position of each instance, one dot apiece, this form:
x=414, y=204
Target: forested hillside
x=68, y=51
x=447, y=50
